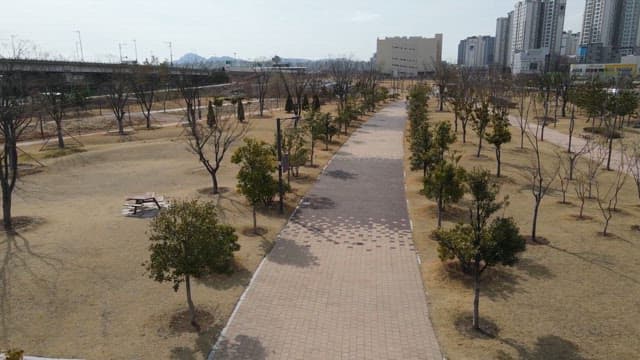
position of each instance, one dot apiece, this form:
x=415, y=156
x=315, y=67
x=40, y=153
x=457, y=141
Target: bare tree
x=573, y=158
x=56, y=99
x=596, y=153
x=541, y=178
x=13, y=122
x=146, y=80
x=117, y=97
x=607, y=196
x=581, y=189
x=210, y=144
x=634, y=164
x=343, y=71
x=442, y=76
x=262, y=78
x=295, y=84
x=524, y=100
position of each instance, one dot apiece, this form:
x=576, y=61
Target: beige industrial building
x=408, y=56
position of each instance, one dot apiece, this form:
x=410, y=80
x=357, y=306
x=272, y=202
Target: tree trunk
x=120, y=126
x=59, y=132
x=581, y=207
x=312, y=148
x=192, y=308
x=611, y=133
x=522, y=137
x=255, y=223
x=6, y=209
x=455, y=122
x=498, y=161
x=479, y=146
x=476, y=293
x=148, y=117
x=572, y=162
x=464, y=133
x=440, y=206
x=534, y=223
x=214, y=179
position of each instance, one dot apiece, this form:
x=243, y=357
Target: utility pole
x=80, y=42
x=135, y=48
x=120, y=45
x=13, y=45
x=280, y=185
x=170, y=52
x=280, y=161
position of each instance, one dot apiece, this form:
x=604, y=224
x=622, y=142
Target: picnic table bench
x=140, y=202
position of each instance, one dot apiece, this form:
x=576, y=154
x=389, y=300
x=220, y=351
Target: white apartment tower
x=609, y=30
x=502, y=42
x=628, y=39
x=476, y=51
x=535, y=34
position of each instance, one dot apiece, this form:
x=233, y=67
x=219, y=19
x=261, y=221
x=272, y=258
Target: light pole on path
x=280, y=162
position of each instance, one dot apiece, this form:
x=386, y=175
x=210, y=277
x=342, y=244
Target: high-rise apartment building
x=535, y=34
x=502, y=42
x=476, y=51
x=408, y=56
x=570, y=43
x=609, y=30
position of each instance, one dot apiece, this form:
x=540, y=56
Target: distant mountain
x=218, y=61
x=190, y=58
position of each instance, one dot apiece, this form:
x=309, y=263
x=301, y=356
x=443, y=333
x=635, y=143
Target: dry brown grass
x=72, y=284
x=575, y=298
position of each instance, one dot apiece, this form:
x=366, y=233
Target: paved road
x=596, y=151
x=342, y=281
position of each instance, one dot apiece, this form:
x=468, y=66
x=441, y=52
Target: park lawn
x=72, y=281
x=630, y=135
x=575, y=298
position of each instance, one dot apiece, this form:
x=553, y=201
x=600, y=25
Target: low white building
x=408, y=56
x=531, y=61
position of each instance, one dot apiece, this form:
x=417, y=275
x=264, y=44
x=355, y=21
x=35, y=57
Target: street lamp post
x=280, y=167
x=80, y=42
x=135, y=49
x=170, y=52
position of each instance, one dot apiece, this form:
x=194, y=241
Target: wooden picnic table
x=140, y=200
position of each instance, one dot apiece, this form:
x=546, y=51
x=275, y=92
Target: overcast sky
x=250, y=28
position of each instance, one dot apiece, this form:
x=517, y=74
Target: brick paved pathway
x=342, y=281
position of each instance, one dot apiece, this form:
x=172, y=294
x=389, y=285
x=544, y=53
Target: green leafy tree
x=316, y=129
x=499, y=135
x=255, y=177
x=443, y=137
x=294, y=147
x=240, y=111
x=423, y=153
x=211, y=115
x=444, y=185
x=482, y=243
x=188, y=241
x=481, y=118
x=288, y=106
